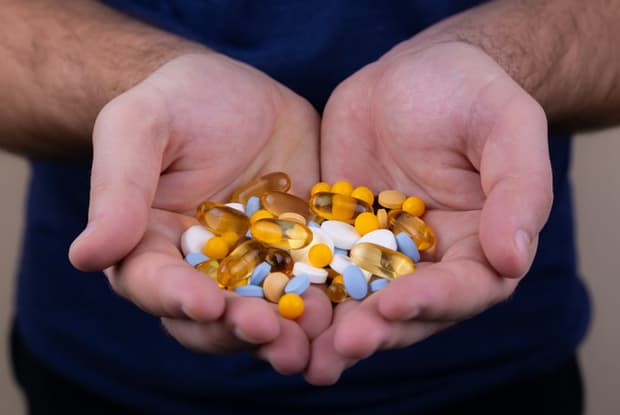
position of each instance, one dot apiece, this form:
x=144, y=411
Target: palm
x=443, y=123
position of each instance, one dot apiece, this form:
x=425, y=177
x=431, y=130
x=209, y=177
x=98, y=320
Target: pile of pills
x=272, y=244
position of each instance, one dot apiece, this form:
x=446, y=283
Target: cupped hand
x=446, y=123
x=195, y=129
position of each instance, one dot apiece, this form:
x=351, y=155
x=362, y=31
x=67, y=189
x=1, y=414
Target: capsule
x=336, y=291
x=278, y=203
x=237, y=267
x=381, y=261
x=422, y=234
x=283, y=234
x=220, y=219
x=333, y=206
x=280, y=260
x=209, y=268
x=277, y=181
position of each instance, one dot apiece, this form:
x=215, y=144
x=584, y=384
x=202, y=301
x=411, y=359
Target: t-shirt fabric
x=75, y=323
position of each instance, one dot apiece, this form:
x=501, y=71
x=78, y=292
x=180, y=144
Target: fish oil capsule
x=278, y=203
x=381, y=261
x=239, y=264
x=220, y=219
x=333, y=206
x=422, y=234
x=336, y=291
x=281, y=233
x=280, y=260
x=209, y=268
x=293, y=217
x=391, y=199
x=273, y=181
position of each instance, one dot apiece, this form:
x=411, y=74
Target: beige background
x=597, y=180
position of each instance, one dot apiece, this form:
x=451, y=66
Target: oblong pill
x=382, y=237
x=249, y=291
x=342, y=234
x=252, y=206
x=316, y=275
x=407, y=246
x=194, y=238
x=278, y=181
x=278, y=203
x=381, y=261
x=379, y=283
x=298, y=284
x=195, y=258
x=355, y=283
x=280, y=233
x=220, y=219
x=422, y=234
x=259, y=273
x=240, y=263
x=333, y=206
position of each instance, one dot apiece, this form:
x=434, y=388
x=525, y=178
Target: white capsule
x=342, y=234
x=194, y=239
x=316, y=275
x=381, y=237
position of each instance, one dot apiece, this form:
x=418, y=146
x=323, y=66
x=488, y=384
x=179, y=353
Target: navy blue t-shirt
x=79, y=327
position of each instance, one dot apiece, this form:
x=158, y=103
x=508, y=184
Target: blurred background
x=597, y=198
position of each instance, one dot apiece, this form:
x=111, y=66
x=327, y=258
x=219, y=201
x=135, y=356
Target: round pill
x=366, y=222
x=318, y=237
x=383, y=218
x=342, y=234
x=355, y=283
x=194, y=238
x=298, y=284
x=273, y=286
x=195, y=258
x=381, y=237
x=216, y=248
x=319, y=187
x=316, y=275
x=414, y=205
x=342, y=187
x=391, y=199
x=320, y=255
x=252, y=206
x=407, y=246
x=379, y=283
x=364, y=193
x=249, y=291
x=236, y=206
x=291, y=306
x=260, y=273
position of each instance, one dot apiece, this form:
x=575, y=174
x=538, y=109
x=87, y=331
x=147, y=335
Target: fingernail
x=523, y=241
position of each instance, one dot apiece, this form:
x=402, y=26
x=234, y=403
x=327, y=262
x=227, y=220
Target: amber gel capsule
x=278, y=203
x=333, y=206
x=284, y=234
x=422, y=234
x=240, y=263
x=276, y=181
x=220, y=219
x=280, y=260
x=381, y=261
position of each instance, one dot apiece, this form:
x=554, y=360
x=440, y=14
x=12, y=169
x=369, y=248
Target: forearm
x=62, y=62
x=563, y=52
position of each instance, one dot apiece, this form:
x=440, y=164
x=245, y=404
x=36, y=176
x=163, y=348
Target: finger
x=459, y=287
x=317, y=315
x=128, y=142
x=156, y=278
x=212, y=338
x=516, y=177
x=288, y=352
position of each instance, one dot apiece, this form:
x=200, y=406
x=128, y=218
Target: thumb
x=517, y=180
x=128, y=143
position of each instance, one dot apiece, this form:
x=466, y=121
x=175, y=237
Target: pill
x=407, y=246
x=313, y=224
x=281, y=233
x=341, y=251
x=280, y=260
x=291, y=306
x=383, y=219
x=318, y=237
x=316, y=275
x=240, y=263
x=298, y=284
x=364, y=193
x=236, y=206
x=416, y=228
x=391, y=199
x=252, y=206
x=194, y=238
x=293, y=217
x=209, y=268
x=249, y=291
x=381, y=261
x=320, y=187
x=366, y=222
x=259, y=273
x=320, y=255
x=334, y=206
x=342, y=234
x=279, y=202
x=414, y=206
x=342, y=187
x=336, y=291
x=231, y=238
x=195, y=258
x=354, y=282
x=340, y=263
x=219, y=218
x=376, y=285
x=276, y=181
x=216, y=248
x=273, y=286
x=382, y=237
x=260, y=214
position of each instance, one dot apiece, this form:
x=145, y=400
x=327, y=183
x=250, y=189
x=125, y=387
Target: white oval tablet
x=316, y=275
x=342, y=234
x=194, y=238
x=381, y=237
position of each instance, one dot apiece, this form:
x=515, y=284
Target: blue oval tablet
x=260, y=273
x=355, y=282
x=379, y=283
x=250, y=291
x=298, y=284
x=407, y=246
x=313, y=224
x=252, y=205
x=195, y=258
